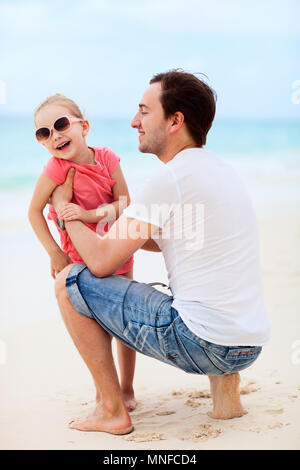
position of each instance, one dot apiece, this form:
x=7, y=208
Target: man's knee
x=60, y=281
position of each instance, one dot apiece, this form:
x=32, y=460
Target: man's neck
x=169, y=153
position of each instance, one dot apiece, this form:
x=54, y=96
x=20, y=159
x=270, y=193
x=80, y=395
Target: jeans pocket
x=146, y=339
x=242, y=353
x=181, y=353
x=235, y=360
x=242, y=357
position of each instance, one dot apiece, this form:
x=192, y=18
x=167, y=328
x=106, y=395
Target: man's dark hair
x=184, y=92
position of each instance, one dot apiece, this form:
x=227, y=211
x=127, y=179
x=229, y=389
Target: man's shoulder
x=194, y=154
x=158, y=187
x=160, y=175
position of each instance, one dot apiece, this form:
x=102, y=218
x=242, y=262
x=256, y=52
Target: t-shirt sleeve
x=55, y=170
x=110, y=159
x=155, y=199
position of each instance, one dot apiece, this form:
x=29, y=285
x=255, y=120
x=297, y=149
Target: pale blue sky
x=102, y=53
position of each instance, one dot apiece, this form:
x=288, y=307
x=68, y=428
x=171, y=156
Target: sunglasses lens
x=42, y=134
x=62, y=124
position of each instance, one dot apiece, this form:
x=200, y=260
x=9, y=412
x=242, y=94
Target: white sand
x=44, y=383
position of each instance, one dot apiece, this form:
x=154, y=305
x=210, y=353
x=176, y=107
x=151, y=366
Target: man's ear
x=177, y=121
x=85, y=128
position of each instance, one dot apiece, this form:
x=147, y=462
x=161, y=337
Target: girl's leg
x=126, y=359
x=94, y=345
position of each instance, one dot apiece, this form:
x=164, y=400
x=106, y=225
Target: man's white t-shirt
x=209, y=239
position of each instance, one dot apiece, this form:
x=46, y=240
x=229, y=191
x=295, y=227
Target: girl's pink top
x=92, y=187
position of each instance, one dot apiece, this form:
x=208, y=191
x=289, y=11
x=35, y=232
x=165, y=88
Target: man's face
x=150, y=122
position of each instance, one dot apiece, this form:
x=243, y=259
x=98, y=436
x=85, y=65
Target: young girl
x=98, y=180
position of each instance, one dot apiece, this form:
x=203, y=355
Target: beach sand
x=45, y=384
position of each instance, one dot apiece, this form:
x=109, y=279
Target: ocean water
x=266, y=154
x=255, y=148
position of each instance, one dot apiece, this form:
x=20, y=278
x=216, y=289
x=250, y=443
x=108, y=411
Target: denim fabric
x=142, y=318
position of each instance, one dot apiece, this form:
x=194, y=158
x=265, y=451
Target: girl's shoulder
x=56, y=169
x=55, y=162
x=106, y=157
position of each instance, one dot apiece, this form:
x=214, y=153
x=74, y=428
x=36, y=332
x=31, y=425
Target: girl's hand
x=58, y=261
x=72, y=211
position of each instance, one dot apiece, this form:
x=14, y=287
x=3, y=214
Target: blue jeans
x=142, y=318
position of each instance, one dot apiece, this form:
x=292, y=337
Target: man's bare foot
x=102, y=420
x=226, y=396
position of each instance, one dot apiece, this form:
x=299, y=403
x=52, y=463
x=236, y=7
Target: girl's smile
x=70, y=144
x=63, y=146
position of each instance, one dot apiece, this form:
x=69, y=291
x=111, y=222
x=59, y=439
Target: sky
x=102, y=53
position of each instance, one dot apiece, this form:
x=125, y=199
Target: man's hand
x=63, y=193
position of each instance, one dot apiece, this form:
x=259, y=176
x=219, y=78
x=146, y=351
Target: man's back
x=209, y=242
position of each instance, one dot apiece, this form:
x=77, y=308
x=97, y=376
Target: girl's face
x=68, y=145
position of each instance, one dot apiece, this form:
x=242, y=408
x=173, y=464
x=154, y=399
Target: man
x=197, y=212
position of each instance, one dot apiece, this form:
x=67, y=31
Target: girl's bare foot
x=105, y=421
x=129, y=400
x=128, y=397
x=226, y=396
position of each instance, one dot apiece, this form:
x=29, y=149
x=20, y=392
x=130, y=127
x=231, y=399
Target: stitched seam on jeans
x=197, y=340
x=210, y=356
x=139, y=346
x=123, y=303
x=242, y=356
x=120, y=301
x=162, y=305
x=99, y=294
x=186, y=354
x=78, y=298
x=165, y=340
x=114, y=299
x=205, y=346
x=149, y=328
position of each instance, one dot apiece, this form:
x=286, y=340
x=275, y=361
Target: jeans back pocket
x=242, y=353
x=242, y=357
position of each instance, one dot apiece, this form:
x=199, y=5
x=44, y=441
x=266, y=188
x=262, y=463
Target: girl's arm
x=106, y=212
x=43, y=190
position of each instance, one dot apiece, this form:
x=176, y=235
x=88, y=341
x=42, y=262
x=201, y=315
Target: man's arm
x=104, y=255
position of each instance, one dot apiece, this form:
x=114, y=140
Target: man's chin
x=146, y=149
x=143, y=149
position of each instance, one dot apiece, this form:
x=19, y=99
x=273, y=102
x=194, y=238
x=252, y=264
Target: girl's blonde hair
x=58, y=98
